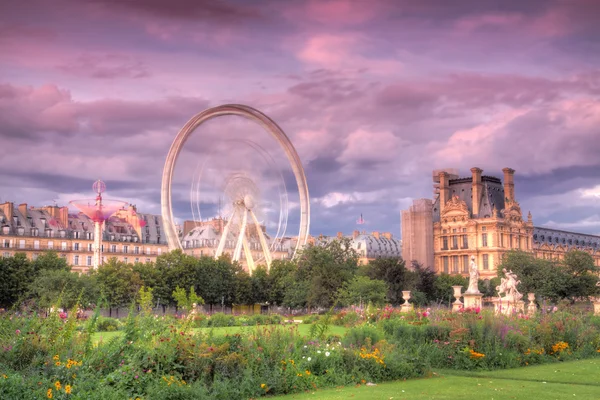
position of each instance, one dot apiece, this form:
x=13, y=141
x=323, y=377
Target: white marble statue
x=508, y=287
x=473, y=277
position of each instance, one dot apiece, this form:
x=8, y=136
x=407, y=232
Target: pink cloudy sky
x=374, y=95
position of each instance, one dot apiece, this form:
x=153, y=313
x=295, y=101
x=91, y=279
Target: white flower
x=309, y=358
x=305, y=346
x=327, y=354
x=319, y=351
x=303, y=357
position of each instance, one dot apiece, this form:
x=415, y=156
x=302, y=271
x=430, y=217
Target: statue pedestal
x=503, y=306
x=473, y=300
x=531, y=307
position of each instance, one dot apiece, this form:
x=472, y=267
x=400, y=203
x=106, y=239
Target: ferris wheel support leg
x=248, y=253
x=238, y=245
x=224, y=236
x=263, y=241
x=97, y=244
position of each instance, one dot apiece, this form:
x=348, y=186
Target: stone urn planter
x=406, y=306
x=457, y=305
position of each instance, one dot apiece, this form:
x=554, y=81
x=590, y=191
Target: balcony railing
x=71, y=250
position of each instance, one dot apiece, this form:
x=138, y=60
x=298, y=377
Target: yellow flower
x=57, y=385
x=57, y=363
x=68, y=389
x=262, y=385
x=6, y=377
x=307, y=372
x=56, y=358
x=49, y=393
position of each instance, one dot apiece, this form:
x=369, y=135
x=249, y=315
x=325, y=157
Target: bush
x=220, y=319
x=106, y=324
x=363, y=335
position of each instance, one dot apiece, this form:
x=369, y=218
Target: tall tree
x=16, y=275
x=394, y=273
x=579, y=265
x=281, y=276
x=54, y=284
x=216, y=280
x=364, y=290
x=118, y=283
x=325, y=268
x=260, y=285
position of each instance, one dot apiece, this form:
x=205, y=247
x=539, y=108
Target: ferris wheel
x=246, y=212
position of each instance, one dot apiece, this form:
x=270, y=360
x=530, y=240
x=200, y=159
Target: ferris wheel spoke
x=263, y=240
x=248, y=253
x=221, y=245
x=238, y=245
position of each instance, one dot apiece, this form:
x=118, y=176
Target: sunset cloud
x=374, y=95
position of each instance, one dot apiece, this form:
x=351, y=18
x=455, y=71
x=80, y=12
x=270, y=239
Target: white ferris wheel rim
x=271, y=127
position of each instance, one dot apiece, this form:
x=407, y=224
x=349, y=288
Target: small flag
x=360, y=221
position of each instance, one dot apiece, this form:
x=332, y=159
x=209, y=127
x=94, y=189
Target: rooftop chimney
x=355, y=234
x=444, y=190
x=23, y=209
x=340, y=235
x=509, y=183
x=376, y=235
x=476, y=190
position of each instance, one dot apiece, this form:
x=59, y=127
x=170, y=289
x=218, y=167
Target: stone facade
x=552, y=244
x=480, y=216
x=128, y=235
x=477, y=216
x=417, y=233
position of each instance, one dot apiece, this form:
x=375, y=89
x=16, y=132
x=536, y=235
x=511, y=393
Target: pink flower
x=63, y=315
x=426, y=314
x=18, y=331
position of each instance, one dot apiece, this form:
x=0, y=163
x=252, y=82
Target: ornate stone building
x=128, y=235
x=552, y=244
x=480, y=216
x=477, y=216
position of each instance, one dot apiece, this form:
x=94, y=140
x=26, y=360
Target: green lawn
x=303, y=329
x=579, y=379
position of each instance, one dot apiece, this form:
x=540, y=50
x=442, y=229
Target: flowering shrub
x=161, y=358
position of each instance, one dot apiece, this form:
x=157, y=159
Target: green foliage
x=51, y=284
x=362, y=289
x=106, y=324
x=571, y=278
x=323, y=269
x=145, y=300
x=118, y=283
x=16, y=274
x=443, y=292
x=279, y=276
x=185, y=301
x=220, y=319
x=394, y=273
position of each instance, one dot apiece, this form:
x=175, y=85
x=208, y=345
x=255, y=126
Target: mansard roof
x=492, y=195
x=39, y=222
x=571, y=240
